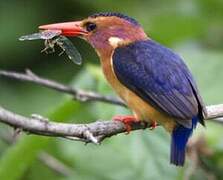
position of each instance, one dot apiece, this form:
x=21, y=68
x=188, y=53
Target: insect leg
x=60, y=44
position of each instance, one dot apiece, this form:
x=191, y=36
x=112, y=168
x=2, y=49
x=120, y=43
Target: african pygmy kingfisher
x=154, y=81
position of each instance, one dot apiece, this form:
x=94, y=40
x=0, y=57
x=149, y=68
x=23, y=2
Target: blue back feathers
x=116, y=14
x=160, y=77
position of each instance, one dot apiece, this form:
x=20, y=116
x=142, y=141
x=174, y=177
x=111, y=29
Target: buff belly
x=143, y=110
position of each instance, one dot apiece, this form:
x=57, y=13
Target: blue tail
x=180, y=137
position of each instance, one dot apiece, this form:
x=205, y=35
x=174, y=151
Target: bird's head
x=104, y=31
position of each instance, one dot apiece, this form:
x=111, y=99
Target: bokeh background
x=194, y=28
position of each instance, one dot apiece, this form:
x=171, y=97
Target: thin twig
x=44, y=157
x=55, y=164
x=78, y=94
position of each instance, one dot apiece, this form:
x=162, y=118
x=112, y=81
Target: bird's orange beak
x=66, y=28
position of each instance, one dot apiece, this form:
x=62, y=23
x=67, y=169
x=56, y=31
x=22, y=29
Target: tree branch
x=92, y=132
x=78, y=94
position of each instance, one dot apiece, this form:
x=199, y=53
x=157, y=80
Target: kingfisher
x=152, y=80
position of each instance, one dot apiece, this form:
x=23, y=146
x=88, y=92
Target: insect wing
x=70, y=49
x=48, y=34
x=30, y=37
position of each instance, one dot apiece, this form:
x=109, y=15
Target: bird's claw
x=153, y=125
x=127, y=121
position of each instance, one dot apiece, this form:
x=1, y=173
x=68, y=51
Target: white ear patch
x=115, y=41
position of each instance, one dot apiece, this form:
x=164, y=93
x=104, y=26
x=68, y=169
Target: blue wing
x=159, y=77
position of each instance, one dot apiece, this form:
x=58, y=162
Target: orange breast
x=142, y=110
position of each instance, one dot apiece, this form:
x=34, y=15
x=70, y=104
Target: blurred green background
x=193, y=28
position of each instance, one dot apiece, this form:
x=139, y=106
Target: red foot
x=127, y=120
x=153, y=125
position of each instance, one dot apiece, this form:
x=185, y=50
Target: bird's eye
x=90, y=26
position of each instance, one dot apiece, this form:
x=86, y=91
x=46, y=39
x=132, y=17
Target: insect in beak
x=54, y=37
